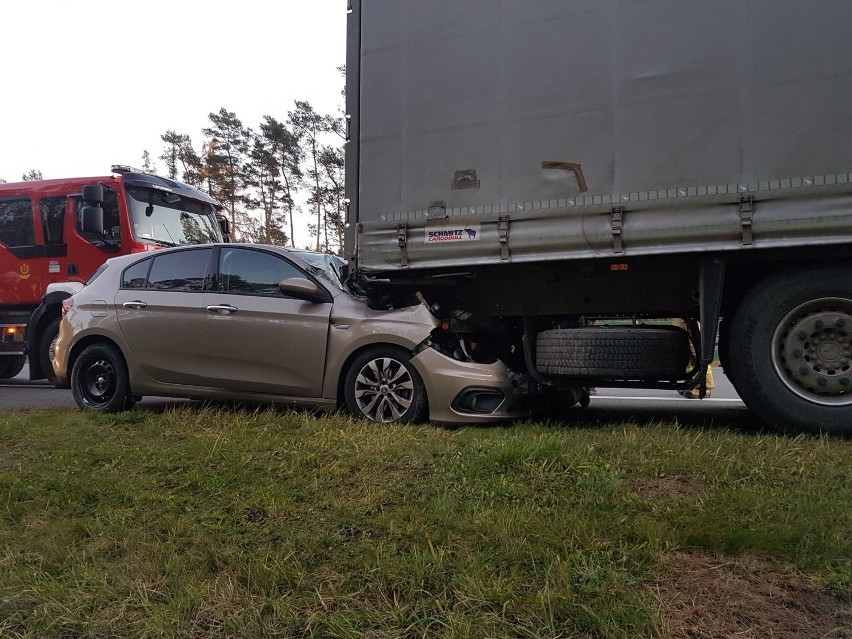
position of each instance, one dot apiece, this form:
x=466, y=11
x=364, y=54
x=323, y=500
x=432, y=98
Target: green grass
x=204, y=523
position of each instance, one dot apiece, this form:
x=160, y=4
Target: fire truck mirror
x=93, y=194
x=225, y=227
x=92, y=219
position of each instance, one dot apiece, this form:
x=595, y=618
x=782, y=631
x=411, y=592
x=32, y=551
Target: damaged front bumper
x=470, y=392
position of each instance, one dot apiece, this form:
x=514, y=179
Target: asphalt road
x=723, y=409
x=20, y=394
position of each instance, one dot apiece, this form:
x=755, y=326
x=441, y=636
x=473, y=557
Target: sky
x=88, y=84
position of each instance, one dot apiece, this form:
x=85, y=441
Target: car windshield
x=167, y=219
x=328, y=266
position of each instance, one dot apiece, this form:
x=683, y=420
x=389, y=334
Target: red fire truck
x=54, y=234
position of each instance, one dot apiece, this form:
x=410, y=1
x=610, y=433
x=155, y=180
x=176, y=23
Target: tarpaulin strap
x=503, y=235
x=402, y=241
x=747, y=219
x=617, y=221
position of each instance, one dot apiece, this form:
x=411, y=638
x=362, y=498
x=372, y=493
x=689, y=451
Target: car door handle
x=222, y=309
x=137, y=304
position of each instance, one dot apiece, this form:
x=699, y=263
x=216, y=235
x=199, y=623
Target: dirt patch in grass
x=6, y=455
x=705, y=597
x=673, y=486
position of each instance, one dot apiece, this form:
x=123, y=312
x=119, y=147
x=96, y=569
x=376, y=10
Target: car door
x=159, y=308
x=258, y=339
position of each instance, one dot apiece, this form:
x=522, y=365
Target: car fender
x=49, y=308
x=72, y=342
x=353, y=329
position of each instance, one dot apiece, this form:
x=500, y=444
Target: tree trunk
x=289, y=205
x=317, y=192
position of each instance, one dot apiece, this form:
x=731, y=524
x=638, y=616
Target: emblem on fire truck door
x=24, y=271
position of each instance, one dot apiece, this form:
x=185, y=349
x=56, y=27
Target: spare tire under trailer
x=614, y=352
x=787, y=349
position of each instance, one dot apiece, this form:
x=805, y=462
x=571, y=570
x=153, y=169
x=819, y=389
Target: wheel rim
x=51, y=349
x=97, y=383
x=384, y=389
x=812, y=351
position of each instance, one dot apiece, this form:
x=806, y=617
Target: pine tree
x=331, y=166
x=193, y=170
x=226, y=153
x=147, y=164
x=171, y=153
x=309, y=125
x=284, y=145
x=182, y=162
x=265, y=190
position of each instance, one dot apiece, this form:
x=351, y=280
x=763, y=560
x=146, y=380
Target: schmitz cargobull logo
x=460, y=233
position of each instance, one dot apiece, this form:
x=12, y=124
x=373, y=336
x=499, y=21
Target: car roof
x=294, y=254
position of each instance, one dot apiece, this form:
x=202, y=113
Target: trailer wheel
x=10, y=366
x=791, y=351
x=46, y=349
x=382, y=385
x=99, y=379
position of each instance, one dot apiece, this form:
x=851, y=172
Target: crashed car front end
x=465, y=382
x=474, y=392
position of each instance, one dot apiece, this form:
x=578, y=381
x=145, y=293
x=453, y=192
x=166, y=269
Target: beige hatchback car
x=245, y=322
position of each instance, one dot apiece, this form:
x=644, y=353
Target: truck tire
x=382, y=385
x=791, y=351
x=46, y=346
x=99, y=379
x=10, y=366
x=659, y=353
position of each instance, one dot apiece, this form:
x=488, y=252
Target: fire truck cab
x=54, y=234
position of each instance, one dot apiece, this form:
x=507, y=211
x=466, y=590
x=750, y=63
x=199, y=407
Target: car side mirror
x=92, y=219
x=303, y=289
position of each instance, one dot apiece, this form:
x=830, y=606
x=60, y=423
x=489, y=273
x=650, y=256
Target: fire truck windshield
x=167, y=219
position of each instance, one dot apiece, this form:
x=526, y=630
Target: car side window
x=136, y=276
x=16, y=222
x=180, y=271
x=248, y=272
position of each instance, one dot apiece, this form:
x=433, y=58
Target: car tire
x=792, y=336
x=382, y=385
x=10, y=366
x=46, y=346
x=99, y=379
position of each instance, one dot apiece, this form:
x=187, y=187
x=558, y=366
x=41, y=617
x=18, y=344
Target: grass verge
x=205, y=523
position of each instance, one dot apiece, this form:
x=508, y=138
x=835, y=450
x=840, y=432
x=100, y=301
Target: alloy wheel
x=384, y=389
